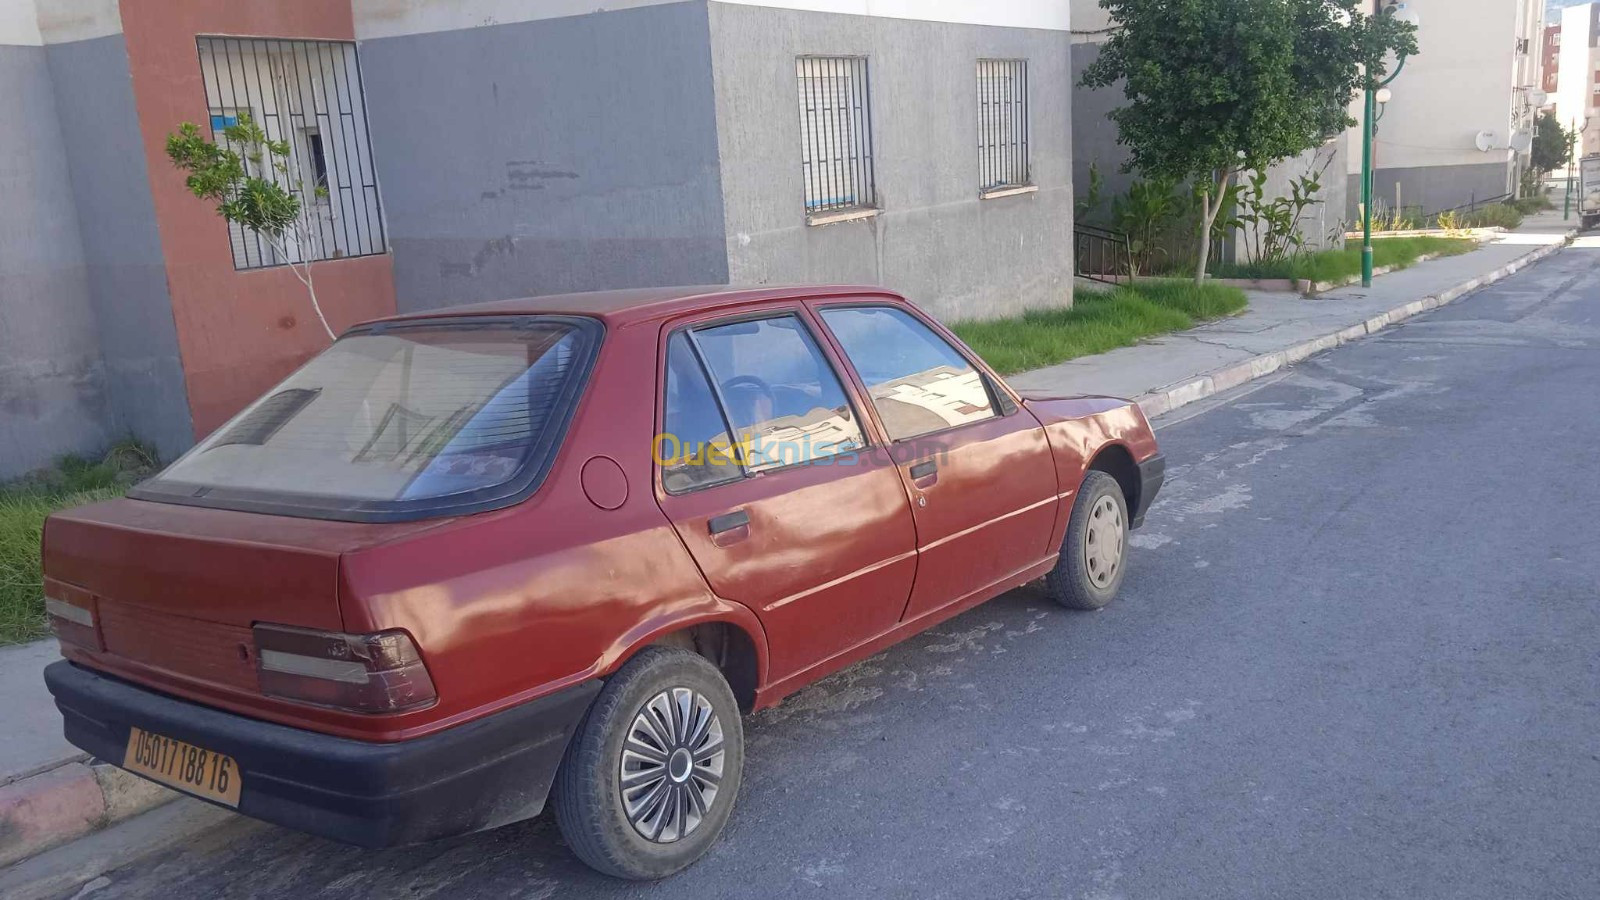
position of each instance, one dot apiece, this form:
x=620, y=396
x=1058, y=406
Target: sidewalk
x=1281, y=328
x=50, y=792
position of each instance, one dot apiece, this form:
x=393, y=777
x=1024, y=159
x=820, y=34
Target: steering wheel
x=749, y=388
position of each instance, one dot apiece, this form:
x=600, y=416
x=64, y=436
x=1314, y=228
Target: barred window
x=836, y=134
x=307, y=93
x=1003, y=124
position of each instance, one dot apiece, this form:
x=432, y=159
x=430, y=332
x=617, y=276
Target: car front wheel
x=1094, y=552
x=650, y=777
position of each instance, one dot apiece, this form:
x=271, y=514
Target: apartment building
x=1577, y=96
x=481, y=149
x=1459, y=124
x=1550, y=60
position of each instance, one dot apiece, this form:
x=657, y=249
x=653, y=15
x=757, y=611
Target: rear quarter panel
x=1081, y=428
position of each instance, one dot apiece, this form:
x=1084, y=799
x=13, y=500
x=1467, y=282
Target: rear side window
x=780, y=393
x=918, y=382
x=397, y=422
x=695, y=450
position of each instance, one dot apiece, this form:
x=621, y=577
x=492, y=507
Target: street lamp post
x=1368, y=124
x=1578, y=126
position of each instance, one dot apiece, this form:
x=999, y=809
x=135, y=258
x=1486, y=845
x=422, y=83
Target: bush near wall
x=25, y=504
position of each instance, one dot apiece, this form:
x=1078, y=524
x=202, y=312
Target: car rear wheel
x=1094, y=553
x=650, y=777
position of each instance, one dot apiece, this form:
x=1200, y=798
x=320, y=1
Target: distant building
x=1577, y=92
x=1460, y=124
x=1550, y=60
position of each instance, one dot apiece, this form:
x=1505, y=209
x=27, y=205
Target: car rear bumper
x=1152, y=472
x=483, y=774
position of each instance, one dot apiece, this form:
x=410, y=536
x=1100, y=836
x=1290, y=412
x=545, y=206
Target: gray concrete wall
x=1432, y=187
x=144, y=380
x=539, y=157
x=52, y=382
x=959, y=256
x=1322, y=225
x=1094, y=135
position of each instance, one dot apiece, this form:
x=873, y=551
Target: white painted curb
x=1169, y=398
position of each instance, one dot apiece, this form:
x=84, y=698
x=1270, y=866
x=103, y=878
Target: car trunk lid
x=177, y=588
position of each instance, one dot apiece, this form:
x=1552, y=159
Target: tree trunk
x=318, y=306
x=307, y=250
x=1210, y=205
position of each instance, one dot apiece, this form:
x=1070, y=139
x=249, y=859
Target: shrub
x=1502, y=215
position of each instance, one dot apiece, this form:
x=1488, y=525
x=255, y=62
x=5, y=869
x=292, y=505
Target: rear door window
x=780, y=393
x=694, y=451
x=918, y=382
x=399, y=421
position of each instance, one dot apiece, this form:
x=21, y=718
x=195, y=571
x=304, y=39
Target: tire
x=1087, y=576
x=588, y=793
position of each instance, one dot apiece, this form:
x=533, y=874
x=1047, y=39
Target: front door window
x=918, y=382
x=782, y=397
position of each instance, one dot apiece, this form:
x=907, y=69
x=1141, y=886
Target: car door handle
x=925, y=469
x=728, y=521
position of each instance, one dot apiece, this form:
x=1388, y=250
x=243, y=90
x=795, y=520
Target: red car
x=467, y=562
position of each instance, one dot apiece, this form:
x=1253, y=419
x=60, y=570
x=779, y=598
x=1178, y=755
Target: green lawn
x=1341, y=265
x=1097, y=322
x=23, y=508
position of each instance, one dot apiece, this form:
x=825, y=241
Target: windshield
x=397, y=420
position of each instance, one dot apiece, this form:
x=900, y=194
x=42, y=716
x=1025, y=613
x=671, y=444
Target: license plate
x=186, y=767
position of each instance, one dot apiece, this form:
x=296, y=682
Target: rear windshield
x=398, y=421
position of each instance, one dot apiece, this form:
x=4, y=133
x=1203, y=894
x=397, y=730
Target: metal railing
x=1003, y=124
x=1470, y=206
x=1102, y=255
x=836, y=155
x=308, y=95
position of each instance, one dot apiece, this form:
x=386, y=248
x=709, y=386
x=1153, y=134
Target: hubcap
x=1102, y=545
x=671, y=765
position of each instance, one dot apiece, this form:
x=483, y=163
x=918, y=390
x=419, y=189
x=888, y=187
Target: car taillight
x=370, y=673
x=71, y=613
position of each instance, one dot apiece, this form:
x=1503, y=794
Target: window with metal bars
x=308, y=94
x=1003, y=124
x=836, y=134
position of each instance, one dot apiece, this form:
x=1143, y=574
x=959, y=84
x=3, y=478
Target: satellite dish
x=1537, y=98
x=1522, y=142
x=1485, y=141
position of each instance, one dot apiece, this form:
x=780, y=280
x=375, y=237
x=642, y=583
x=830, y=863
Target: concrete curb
x=65, y=803
x=1171, y=397
x=79, y=867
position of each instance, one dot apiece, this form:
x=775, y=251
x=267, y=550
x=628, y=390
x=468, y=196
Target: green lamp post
x=1578, y=125
x=1369, y=121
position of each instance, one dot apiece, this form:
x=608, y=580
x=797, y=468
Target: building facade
x=1550, y=61
x=1578, y=75
x=497, y=148
x=1460, y=122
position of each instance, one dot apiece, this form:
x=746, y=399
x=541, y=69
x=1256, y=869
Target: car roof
x=644, y=304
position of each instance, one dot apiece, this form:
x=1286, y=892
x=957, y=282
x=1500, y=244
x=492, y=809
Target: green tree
x=1552, y=144
x=1216, y=87
x=252, y=181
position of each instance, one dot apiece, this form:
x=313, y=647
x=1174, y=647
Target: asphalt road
x=1355, y=657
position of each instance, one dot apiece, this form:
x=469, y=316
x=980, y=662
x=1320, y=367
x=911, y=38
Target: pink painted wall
x=238, y=332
